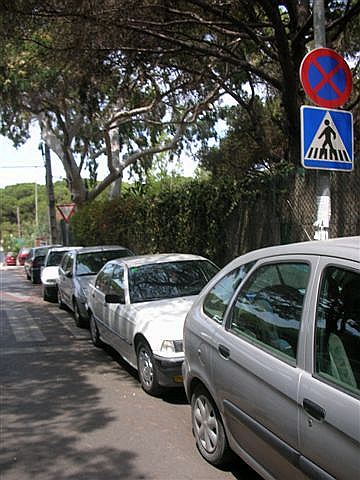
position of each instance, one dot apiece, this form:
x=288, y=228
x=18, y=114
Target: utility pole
x=18, y=221
x=50, y=193
x=36, y=208
x=323, y=198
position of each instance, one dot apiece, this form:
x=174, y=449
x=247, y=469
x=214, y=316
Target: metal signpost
x=326, y=134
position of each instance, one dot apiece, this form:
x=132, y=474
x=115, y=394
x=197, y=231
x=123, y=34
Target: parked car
x=272, y=361
x=10, y=259
x=34, y=261
x=77, y=269
x=138, y=306
x=50, y=272
x=21, y=257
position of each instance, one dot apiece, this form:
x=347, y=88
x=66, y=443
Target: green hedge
x=217, y=218
x=187, y=217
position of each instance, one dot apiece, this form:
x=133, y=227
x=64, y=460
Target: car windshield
x=169, y=280
x=90, y=263
x=41, y=251
x=54, y=258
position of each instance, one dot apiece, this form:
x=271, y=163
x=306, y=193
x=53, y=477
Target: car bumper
x=169, y=371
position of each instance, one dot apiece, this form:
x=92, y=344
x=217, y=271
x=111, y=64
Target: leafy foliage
x=177, y=215
x=18, y=212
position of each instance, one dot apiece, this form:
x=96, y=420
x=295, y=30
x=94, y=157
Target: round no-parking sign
x=326, y=78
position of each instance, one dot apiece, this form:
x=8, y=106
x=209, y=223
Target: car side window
x=117, y=282
x=103, y=278
x=268, y=308
x=64, y=262
x=218, y=298
x=338, y=328
x=70, y=264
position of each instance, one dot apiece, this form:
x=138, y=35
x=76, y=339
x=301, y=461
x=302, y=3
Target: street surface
x=71, y=411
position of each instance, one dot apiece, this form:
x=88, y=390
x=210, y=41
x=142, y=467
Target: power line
x=22, y=166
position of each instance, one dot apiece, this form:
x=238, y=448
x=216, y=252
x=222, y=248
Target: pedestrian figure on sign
x=328, y=133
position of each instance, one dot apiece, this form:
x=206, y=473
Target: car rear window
x=91, y=262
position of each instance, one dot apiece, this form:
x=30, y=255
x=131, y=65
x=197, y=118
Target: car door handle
x=314, y=409
x=224, y=351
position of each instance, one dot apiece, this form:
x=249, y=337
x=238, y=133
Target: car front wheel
x=79, y=319
x=147, y=369
x=94, y=332
x=208, y=428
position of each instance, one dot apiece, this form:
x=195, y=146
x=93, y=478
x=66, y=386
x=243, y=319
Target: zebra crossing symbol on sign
x=326, y=139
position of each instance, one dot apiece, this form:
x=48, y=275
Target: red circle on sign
x=326, y=77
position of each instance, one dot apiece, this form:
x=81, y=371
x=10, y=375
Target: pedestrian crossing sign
x=326, y=139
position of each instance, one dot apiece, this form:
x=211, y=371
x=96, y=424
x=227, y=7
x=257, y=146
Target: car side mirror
x=68, y=274
x=114, y=298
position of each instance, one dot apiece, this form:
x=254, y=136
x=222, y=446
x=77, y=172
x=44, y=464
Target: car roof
x=346, y=247
x=101, y=248
x=44, y=246
x=63, y=249
x=139, y=260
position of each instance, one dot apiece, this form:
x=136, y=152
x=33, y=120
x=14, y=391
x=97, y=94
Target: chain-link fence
x=290, y=216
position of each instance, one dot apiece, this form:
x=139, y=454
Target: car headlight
x=172, y=346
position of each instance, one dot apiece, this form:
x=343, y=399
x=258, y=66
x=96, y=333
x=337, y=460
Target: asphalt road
x=71, y=411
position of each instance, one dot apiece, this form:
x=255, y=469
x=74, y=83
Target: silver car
x=272, y=361
x=77, y=269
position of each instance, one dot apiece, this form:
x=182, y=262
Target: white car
x=50, y=272
x=138, y=306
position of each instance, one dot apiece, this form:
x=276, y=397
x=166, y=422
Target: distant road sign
x=326, y=78
x=66, y=210
x=326, y=139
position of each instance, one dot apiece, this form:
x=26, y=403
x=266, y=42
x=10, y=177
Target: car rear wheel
x=147, y=369
x=94, y=332
x=208, y=428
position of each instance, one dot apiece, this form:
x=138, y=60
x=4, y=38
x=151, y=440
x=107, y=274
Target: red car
x=23, y=253
x=10, y=259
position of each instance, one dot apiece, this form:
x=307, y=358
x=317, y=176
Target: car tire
x=46, y=297
x=147, y=370
x=208, y=428
x=61, y=304
x=94, y=332
x=79, y=319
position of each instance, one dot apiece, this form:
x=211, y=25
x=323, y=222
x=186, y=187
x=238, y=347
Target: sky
x=26, y=165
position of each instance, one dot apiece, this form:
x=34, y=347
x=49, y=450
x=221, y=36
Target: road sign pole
x=323, y=197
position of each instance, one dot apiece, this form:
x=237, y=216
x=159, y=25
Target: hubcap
x=205, y=424
x=146, y=368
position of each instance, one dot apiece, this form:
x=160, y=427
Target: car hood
x=85, y=281
x=163, y=318
x=50, y=273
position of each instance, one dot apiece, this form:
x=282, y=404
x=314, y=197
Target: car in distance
x=138, y=306
x=50, y=271
x=77, y=269
x=272, y=361
x=10, y=259
x=21, y=257
x=35, y=261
